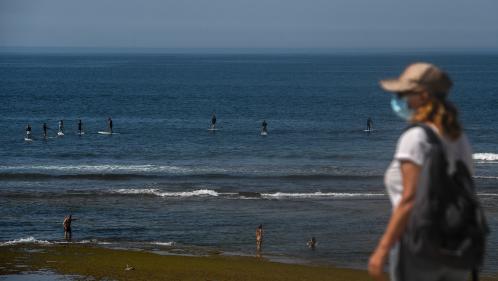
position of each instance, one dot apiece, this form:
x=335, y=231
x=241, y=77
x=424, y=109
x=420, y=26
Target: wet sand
x=103, y=263
x=110, y=264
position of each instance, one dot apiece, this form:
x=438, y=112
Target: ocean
x=165, y=183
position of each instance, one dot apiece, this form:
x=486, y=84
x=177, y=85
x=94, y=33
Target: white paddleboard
x=80, y=133
x=106, y=133
x=371, y=130
x=28, y=139
x=264, y=133
x=60, y=134
x=213, y=129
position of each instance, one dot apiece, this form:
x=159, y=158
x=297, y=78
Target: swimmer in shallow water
x=67, y=227
x=312, y=243
x=259, y=237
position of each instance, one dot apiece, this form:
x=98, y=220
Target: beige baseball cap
x=419, y=76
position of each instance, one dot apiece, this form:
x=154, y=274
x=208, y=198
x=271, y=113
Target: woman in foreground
x=420, y=97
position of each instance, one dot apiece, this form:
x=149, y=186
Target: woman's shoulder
x=412, y=145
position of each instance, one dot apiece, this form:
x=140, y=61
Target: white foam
x=199, y=192
x=29, y=239
x=101, y=168
x=485, y=177
x=180, y=170
x=485, y=156
x=276, y=195
x=157, y=192
x=488, y=194
x=138, y=191
x=85, y=241
x=319, y=195
x=163, y=243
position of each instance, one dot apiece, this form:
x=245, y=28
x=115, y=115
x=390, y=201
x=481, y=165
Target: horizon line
x=238, y=50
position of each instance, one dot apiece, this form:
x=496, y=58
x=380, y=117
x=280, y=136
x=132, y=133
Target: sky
x=326, y=24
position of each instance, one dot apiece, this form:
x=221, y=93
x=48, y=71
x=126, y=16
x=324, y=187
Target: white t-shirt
x=413, y=146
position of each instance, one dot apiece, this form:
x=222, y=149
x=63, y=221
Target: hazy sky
x=250, y=24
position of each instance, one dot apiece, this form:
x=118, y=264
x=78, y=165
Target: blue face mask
x=400, y=107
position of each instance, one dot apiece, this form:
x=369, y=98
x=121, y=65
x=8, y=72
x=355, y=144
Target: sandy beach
x=110, y=264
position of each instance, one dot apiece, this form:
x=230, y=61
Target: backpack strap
x=432, y=138
x=475, y=275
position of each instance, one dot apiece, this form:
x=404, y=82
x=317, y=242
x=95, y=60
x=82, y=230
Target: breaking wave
x=98, y=168
x=483, y=194
x=123, y=172
x=27, y=240
x=282, y=195
x=486, y=177
x=245, y=195
x=157, y=192
x=163, y=243
x=493, y=157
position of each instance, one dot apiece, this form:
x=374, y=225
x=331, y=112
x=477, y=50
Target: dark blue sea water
x=165, y=181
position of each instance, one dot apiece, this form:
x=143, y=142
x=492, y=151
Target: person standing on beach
x=421, y=99
x=259, y=237
x=67, y=227
x=109, y=123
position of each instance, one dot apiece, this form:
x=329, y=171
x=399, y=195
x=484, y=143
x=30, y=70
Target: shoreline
x=101, y=263
x=104, y=263
x=172, y=249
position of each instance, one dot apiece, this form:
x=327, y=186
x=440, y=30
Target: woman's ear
x=424, y=97
x=420, y=100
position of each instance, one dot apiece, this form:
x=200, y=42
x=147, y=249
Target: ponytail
x=443, y=114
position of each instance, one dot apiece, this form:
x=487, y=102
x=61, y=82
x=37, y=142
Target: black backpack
x=447, y=224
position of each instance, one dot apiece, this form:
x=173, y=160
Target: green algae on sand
x=99, y=263
x=105, y=264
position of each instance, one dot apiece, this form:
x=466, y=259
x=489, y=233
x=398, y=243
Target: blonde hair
x=442, y=113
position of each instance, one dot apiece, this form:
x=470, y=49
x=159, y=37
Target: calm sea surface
x=165, y=182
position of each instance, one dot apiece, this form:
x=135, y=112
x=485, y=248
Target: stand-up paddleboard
x=106, y=133
x=264, y=133
x=80, y=133
x=28, y=139
x=60, y=134
x=213, y=129
x=367, y=130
